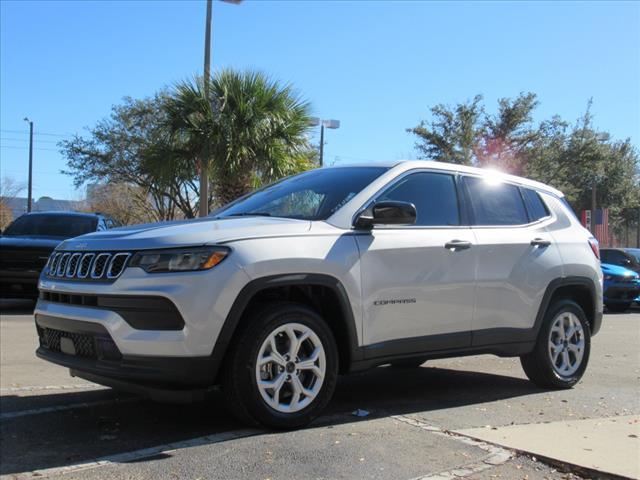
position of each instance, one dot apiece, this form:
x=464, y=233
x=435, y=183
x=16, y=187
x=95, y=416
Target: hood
x=186, y=233
x=609, y=269
x=29, y=243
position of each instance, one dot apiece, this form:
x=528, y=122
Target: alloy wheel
x=566, y=344
x=290, y=367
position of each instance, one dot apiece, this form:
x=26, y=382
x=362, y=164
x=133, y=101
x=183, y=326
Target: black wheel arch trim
x=254, y=287
x=595, y=316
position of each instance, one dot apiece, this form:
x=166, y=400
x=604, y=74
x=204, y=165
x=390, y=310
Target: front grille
x=87, y=265
x=23, y=259
x=84, y=344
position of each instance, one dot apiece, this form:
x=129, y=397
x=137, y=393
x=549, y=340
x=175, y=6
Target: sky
x=377, y=66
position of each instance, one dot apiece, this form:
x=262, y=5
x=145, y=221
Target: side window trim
x=461, y=212
x=525, y=201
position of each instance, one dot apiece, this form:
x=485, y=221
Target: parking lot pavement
x=61, y=426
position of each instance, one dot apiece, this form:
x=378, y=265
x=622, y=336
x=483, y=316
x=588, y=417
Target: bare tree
x=9, y=189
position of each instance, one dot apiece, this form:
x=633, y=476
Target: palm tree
x=251, y=130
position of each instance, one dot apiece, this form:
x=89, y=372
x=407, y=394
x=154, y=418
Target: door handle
x=456, y=245
x=540, y=242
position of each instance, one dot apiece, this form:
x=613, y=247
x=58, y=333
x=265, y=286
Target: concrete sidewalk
x=607, y=445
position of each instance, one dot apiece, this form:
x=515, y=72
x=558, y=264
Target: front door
x=418, y=281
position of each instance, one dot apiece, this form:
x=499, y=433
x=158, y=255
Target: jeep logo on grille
x=81, y=246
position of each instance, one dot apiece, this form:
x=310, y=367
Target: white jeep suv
x=331, y=271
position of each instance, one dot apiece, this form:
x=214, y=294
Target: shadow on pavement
x=84, y=434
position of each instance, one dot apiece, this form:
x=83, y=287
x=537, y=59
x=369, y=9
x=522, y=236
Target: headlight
x=179, y=260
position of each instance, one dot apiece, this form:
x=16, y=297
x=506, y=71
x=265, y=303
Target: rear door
x=418, y=281
x=517, y=258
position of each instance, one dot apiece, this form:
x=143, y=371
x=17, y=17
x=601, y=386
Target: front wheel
x=282, y=369
x=561, y=354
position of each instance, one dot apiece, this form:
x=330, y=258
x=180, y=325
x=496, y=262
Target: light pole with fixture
x=333, y=124
x=26, y=119
x=204, y=162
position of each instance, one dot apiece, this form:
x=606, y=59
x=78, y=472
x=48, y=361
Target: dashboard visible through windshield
x=313, y=195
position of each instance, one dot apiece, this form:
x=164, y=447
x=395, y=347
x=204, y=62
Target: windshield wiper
x=249, y=214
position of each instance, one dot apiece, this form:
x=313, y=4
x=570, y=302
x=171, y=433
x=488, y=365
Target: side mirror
x=387, y=213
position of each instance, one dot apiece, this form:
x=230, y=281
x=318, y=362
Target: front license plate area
x=67, y=346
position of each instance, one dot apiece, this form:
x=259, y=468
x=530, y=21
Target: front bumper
x=621, y=292
x=88, y=350
x=19, y=284
x=164, y=327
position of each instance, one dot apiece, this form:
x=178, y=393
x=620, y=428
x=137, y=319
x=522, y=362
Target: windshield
x=313, y=195
x=65, y=226
x=635, y=252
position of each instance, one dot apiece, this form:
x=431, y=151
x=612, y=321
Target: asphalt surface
x=49, y=420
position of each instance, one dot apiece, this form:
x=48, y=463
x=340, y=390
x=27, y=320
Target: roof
x=404, y=165
x=65, y=213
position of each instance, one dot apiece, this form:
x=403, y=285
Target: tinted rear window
x=65, y=226
x=535, y=205
x=495, y=203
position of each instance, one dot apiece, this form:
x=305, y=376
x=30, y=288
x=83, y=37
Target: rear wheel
x=282, y=369
x=561, y=354
x=618, y=307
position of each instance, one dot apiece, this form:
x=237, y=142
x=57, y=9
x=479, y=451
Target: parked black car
x=26, y=244
x=624, y=257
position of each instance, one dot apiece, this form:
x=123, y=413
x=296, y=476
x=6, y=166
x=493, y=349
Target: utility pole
x=30, y=188
x=638, y=230
x=593, y=208
x=321, y=144
x=204, y=162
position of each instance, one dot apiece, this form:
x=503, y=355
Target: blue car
x=621, y=287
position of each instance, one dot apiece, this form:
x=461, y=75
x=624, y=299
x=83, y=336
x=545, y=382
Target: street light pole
x=323, y=123
x=204, y=162
x=30, y=164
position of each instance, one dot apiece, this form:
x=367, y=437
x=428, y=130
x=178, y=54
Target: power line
x=40, y=172
x=23, y=132
x=26, y=140
x=27, y=148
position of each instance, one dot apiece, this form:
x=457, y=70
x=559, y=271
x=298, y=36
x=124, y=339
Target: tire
x=561, y=317
x=408, y=363
x=618, y=307
x=254, y=403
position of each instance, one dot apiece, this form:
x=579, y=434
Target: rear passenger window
x=495, y=204
x=535, y=205
x=433, y=194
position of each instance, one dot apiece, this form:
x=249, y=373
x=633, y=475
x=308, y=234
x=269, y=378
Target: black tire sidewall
x=542, y=347
x=265, y=321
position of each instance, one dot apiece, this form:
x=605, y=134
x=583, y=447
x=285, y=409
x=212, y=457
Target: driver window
x=433, y=194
